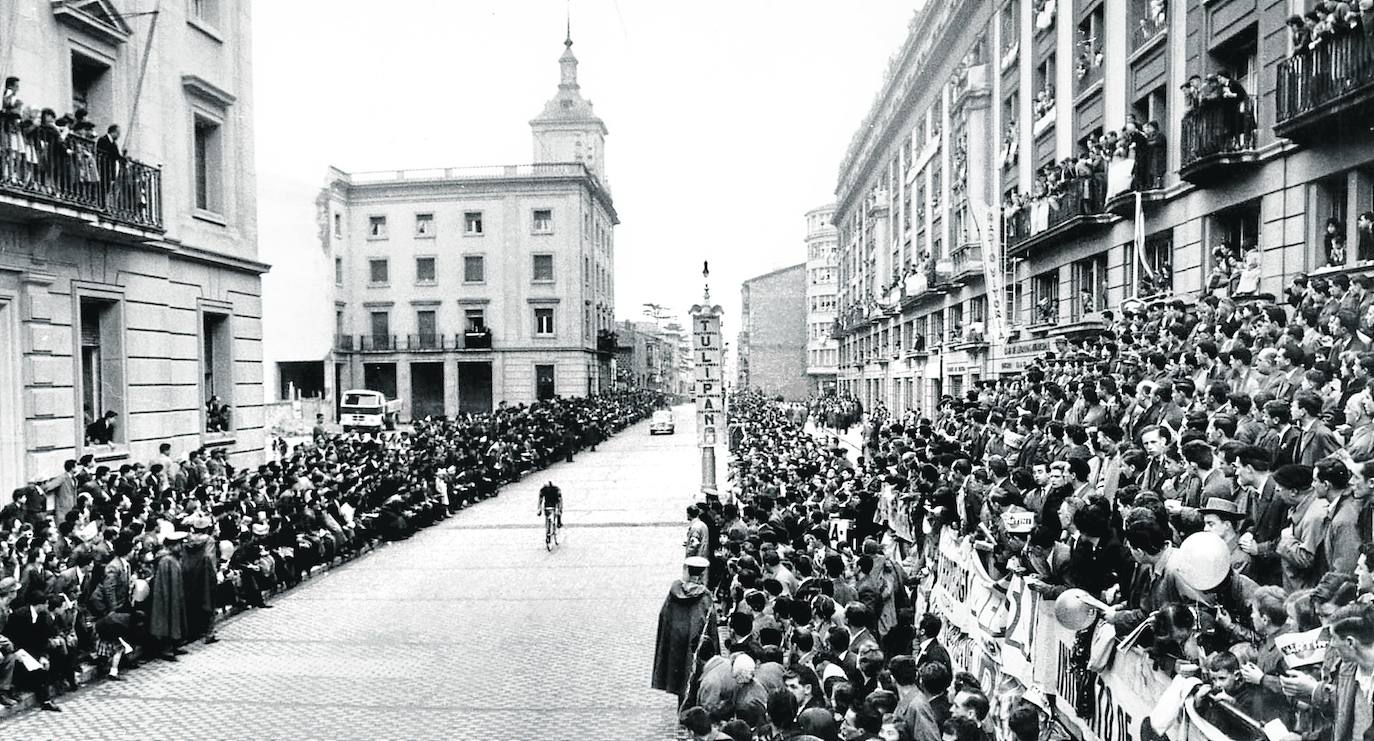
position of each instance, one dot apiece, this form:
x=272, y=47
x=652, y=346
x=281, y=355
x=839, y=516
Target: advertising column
x=708, y=388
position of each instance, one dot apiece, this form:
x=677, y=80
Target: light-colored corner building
x=771, y=344
x=455, y=289
x=945, y=281
x=130, y=287
x=822, y=350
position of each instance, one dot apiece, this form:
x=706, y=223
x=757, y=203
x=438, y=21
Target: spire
x=567, y=40
x=568, y=63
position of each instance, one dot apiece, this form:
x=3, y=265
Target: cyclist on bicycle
x=551, y=498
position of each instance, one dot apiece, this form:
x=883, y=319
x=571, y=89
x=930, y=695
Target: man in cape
x=167, y=613
x=688, y=617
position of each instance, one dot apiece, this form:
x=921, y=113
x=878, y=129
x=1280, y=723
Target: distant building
x=652, y=357
x=129, y=287
x=458, y=288
x=822, y=350
x=771, y=345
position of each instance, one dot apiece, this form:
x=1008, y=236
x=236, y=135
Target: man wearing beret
x=1300, y=541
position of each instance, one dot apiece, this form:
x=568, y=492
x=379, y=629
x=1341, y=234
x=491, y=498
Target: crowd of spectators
x=58, y=155
x=1250, y=422
x=97, y=562
x=1328, y=20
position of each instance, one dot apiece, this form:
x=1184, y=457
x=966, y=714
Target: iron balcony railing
x=40, y=163
x=1082, y=196
x=377, y=343
x=474, y=339
x=1314, y=78
x=425, y=341
x=1216, y=129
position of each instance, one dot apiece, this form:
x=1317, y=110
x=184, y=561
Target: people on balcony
x=1327, y=21
x=1156, y=21
x=1333, y=242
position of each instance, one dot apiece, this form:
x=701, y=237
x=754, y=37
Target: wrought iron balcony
x=1328, y=89
x=1075, y=207
x=67, y=176
x=425, y=342
x=605, y=341
x=474, y=339
x=1218, y=140
x=377, y=343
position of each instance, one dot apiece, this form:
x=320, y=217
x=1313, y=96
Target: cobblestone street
x=469, y=630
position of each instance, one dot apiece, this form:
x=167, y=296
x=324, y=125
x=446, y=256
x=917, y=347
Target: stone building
x=458, y=288
x=771, y=344
x=128, y=287
x=963, y=250
x=822, y=351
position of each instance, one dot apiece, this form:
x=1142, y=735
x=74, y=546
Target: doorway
x=426, y=390
x=474, y=387
x=543, y=382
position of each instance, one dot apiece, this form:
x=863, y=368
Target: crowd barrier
x=1007, y=636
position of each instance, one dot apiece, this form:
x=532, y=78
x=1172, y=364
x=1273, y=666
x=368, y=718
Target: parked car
x=662, y=422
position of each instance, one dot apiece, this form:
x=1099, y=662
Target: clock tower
x=567, y=130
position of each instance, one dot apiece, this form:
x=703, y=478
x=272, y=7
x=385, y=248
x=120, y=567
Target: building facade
x=967, y=247
x=822, y=351
x=653, y=357
x=772, y=341
x=459, y=288
x=129, y=287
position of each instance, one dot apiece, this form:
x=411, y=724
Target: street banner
x=1005, y=633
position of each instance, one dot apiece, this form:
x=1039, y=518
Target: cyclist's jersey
x=550, y=497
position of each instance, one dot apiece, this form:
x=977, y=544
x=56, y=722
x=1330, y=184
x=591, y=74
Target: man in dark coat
x=167, y=613
x=199, y=562
x=688, y=617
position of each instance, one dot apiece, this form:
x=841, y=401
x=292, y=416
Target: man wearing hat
x=1301, y=539
x=1222, y=518
x=199, y=566
x=687, y=618
x=167, y=611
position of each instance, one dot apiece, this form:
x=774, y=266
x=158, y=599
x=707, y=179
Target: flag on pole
x=1145, y=270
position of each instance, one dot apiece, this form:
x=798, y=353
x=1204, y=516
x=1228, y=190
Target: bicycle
x=551, y=527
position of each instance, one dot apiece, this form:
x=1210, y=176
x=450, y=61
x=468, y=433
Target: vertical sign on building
x=708, y=387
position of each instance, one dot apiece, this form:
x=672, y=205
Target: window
x=1043, y=105
x=426, y=328
x=472, y=223
x=379, y=271
x=338, y=225
x=102, y=369
x=474, y=269
x=205, y=11
x=476, y=319
x=1089, y=285
x=338, y=271
x=544, y=382
x=424, y=270
x=380, y=323
x=1046, y=289
x=543, y=221
x=1149, y=18
x=586, y=271
x=208, y=168
x=543, y=268
x=543, y=321
x=376, y=227
x=1088, y=56
x=424, y=226
x=216, y=367
x=91, y=88
x=1010, y=21
x=1152, y=272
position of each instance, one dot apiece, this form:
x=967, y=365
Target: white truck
x=363, y=410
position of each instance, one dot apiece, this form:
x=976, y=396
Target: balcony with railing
x=425, y=342
x=378, y=343
x=966, y=260
x=1218, y=141
x=1327, y=90
x=45, y=174
x=605, y=341
x=474, y=339
x=1074, y=208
